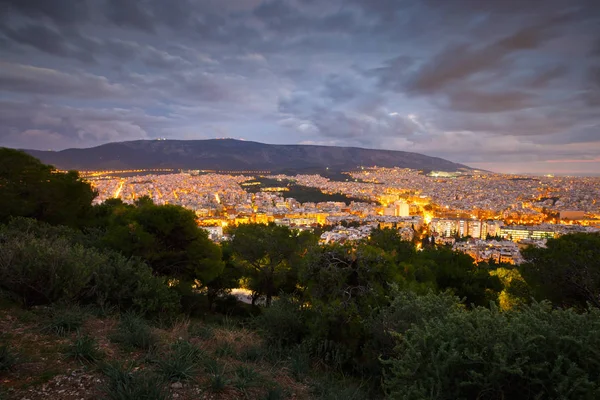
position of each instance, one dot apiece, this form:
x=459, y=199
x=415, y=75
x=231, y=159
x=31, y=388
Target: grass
x=217, y=382
x=84, y=349
x=134, y=332
x=65, y=320
x=246, y=377
x=180, y=363
x=8, y=358
x=275, y=392
x=123, y=383
x=202, y=331
x=225, y=350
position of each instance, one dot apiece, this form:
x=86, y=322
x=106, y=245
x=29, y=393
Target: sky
x=504, y=85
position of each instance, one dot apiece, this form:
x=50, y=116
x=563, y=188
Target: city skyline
x=509, y=86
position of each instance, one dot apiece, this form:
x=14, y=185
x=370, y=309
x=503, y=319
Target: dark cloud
x=61, y=12
x=33, y=80
x=466, y=79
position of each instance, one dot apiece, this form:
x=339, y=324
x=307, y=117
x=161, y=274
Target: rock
x=177, y=385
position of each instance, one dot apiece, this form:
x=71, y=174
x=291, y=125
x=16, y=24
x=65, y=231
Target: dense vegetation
x=376, y=318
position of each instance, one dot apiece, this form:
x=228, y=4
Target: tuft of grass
x=225, y=350
x=252, y=354
x=134, y=331
x=85, y=349
x=201, y=331
x=8, y=359
x=275, y=392
x=123, y=383
x=181, y=362
x=299, y=364
x=65, y=320
x=246, y=377
x=218, y=382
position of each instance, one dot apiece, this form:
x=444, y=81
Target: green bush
x=534, y=353
x=405, y=309
x=42, y=264
x=129, y=284
x=284, y=323
x=133, y=331
x=45, y=270
x=124, y=384
x=85, y=349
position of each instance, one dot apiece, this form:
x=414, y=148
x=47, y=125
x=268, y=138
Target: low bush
x=122, y=383
x=537, y=352
x=246, y=377
x=284, y=323
x=41, y=264
x=133, y=331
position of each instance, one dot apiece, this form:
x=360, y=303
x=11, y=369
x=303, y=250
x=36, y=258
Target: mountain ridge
x=232, y=154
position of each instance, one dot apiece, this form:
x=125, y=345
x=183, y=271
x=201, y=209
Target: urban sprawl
x=488, y=216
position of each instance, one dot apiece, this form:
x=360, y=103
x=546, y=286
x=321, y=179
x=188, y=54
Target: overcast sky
x=506, y=85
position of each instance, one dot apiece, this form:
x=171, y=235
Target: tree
x=567, y=272
x=457, y=272
x=265, y=252
x=31, y=189
x=167, y=238
x=389, y=241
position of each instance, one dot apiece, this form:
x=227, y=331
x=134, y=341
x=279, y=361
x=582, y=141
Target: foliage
x=42, y=264
x=84, y=348
x=264, y=253
x=457, y=272
x=31, y=189
x=284, y=323
x=403, y=310
x=124, y=384
x=485, y=353
x=567, y=272
x=167, y=238
x=44, y=270
x=133, y=331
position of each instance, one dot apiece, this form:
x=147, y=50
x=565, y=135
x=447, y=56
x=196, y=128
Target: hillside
x=229, y=154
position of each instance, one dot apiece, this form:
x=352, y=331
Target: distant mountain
x=238, y=155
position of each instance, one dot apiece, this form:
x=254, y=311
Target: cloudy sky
x=507, y=85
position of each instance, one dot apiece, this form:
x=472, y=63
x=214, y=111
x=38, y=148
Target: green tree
x=265, y=252
x=167, y=238
x=31, y=189
x=389, y=241
x=457, y=272
x=567, y=272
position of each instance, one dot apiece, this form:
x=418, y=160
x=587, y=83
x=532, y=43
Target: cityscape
x=487, y=215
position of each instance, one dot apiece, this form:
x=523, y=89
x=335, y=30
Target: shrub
x=133, y=331
x=8, y=359
x=405, y=309
x=85, y=349
x=124, y=384
x=41, y=264
x=45, y=270
x=283, y=323
x=129, y=284
x=534, y=353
